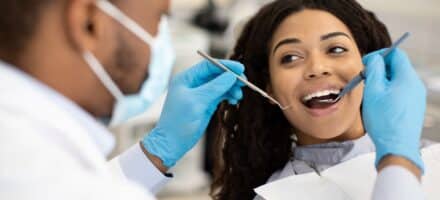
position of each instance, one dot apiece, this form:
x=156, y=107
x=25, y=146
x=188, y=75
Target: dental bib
x=350, y=180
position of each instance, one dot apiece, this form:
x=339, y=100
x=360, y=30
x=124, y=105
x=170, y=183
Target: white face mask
x=160, y=67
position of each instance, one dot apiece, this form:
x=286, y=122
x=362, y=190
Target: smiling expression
x=313, y=55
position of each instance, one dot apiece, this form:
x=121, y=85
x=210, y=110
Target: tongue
x=316, y=103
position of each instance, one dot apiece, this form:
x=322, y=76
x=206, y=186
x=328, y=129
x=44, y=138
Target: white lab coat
x=52, y=149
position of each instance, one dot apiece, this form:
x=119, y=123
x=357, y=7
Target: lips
x=321, y=98
x=319, y=101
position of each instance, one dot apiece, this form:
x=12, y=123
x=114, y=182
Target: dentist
x=66, y=63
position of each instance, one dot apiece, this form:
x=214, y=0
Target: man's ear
x=85, y=24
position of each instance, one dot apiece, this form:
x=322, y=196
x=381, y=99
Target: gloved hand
x=393, y=108
x=192, y=99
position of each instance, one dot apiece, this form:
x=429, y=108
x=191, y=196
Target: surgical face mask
x=160, y=67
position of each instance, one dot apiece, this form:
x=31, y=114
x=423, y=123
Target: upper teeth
x=320, y=94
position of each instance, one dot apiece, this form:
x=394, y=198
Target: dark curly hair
x=254, y=139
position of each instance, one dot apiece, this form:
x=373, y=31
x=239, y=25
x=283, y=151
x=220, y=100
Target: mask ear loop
x=105, y=78
x=125, y=21
x=133, y=27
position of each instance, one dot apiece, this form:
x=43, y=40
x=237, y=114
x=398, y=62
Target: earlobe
x=82, y=21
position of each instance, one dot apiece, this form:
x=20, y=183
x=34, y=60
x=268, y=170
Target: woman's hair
x=254, y=139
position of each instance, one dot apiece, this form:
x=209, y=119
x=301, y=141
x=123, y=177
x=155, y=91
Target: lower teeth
x=320, y=103
x=327, y=101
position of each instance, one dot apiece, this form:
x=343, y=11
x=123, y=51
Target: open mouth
x=321, y=99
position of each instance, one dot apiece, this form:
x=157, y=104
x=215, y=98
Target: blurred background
x=209, y=26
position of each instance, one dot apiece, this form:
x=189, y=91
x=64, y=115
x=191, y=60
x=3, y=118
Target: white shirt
x=51, y=149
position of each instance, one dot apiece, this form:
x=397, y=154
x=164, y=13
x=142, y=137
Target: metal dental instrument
x=358, y=79
x=243, y=80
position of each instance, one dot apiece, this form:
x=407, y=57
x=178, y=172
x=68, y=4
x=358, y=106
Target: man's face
x=128, y=57
x=124, y=56
x=52, y=48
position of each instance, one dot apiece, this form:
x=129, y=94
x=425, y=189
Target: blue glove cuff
x=412, y=154
x=156, y=147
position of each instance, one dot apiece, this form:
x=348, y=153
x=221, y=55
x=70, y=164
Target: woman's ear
x=84, y=24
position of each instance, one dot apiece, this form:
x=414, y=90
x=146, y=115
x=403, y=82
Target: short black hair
x=18, y=23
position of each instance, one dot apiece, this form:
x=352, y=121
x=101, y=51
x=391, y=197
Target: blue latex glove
x=394, y=108
x=192, y=99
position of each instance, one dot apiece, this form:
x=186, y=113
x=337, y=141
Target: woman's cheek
x=284, y=86
x=355, y=98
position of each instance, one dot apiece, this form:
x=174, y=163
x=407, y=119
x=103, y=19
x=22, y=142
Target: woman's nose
x=317, y=71
x=318, y=66
x=318, y=74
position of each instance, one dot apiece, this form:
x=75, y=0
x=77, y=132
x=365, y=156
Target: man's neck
x=69, y=77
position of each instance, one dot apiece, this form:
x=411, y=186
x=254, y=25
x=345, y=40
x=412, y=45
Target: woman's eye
x=289, y=58
x=337, y=50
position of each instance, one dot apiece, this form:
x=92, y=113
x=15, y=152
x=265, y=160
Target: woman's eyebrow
x=334, y=34
x=286, y=41
x=296, y=40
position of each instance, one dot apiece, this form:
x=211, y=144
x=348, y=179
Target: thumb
x=375, y=73
x=400, y=66
x=217, y=87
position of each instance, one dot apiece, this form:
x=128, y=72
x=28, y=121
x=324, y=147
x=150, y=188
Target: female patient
x=300, y=51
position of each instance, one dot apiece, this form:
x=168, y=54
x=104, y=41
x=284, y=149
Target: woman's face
x=312, y=57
